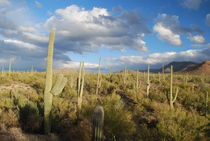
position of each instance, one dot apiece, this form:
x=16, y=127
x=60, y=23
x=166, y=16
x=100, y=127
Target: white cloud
x=86, y=30
x=196, y=38
x=20, y=44
x=4, y=2
x=208, y=19
x=168, y=29
x=192, y=4
x=167, y=35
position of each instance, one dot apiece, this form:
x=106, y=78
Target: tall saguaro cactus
x=148, y=81
x=80, y=85
x=49, y=90
x=163, y=72
x=98, y=77
x=171, y=98
x=98, y=122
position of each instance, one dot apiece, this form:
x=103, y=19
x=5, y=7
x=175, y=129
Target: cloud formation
x=169, y=30
x=87, y=30
x=78, y=30
x=192, y=4
x=196, y=38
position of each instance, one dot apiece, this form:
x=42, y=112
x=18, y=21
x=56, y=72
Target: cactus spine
x=98, y=77
x=172, y=100
x=80, y=85
x=148, y=81
x=98, y=122
x=49, y=91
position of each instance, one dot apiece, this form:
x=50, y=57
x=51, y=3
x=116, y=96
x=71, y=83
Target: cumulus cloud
x=208, y=19
x=196, y=38
x=166, y=34
x=86, y=30
x=192, y=4
x=168, y=29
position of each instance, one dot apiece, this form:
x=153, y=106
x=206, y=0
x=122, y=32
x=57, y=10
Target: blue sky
x=131, y=32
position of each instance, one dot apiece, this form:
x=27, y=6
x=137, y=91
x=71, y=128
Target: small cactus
x=98, y=122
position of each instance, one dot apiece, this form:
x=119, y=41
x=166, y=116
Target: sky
x=134, y=33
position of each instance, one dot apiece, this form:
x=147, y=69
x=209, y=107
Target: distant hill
x=203, y=69
x=179, y=66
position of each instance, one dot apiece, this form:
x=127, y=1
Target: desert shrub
x=63, y=111
x=9, y=117
x=118, y=120
x=177, y=124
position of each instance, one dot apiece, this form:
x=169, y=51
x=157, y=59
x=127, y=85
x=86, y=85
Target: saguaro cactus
x=98, y=122
x=148, y=81
x=80, y=85
x=171, y=99
x=49, y=90
x=98, y=77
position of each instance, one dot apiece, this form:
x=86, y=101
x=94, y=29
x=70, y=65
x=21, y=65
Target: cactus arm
x=59, y=85
x=177, y=91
